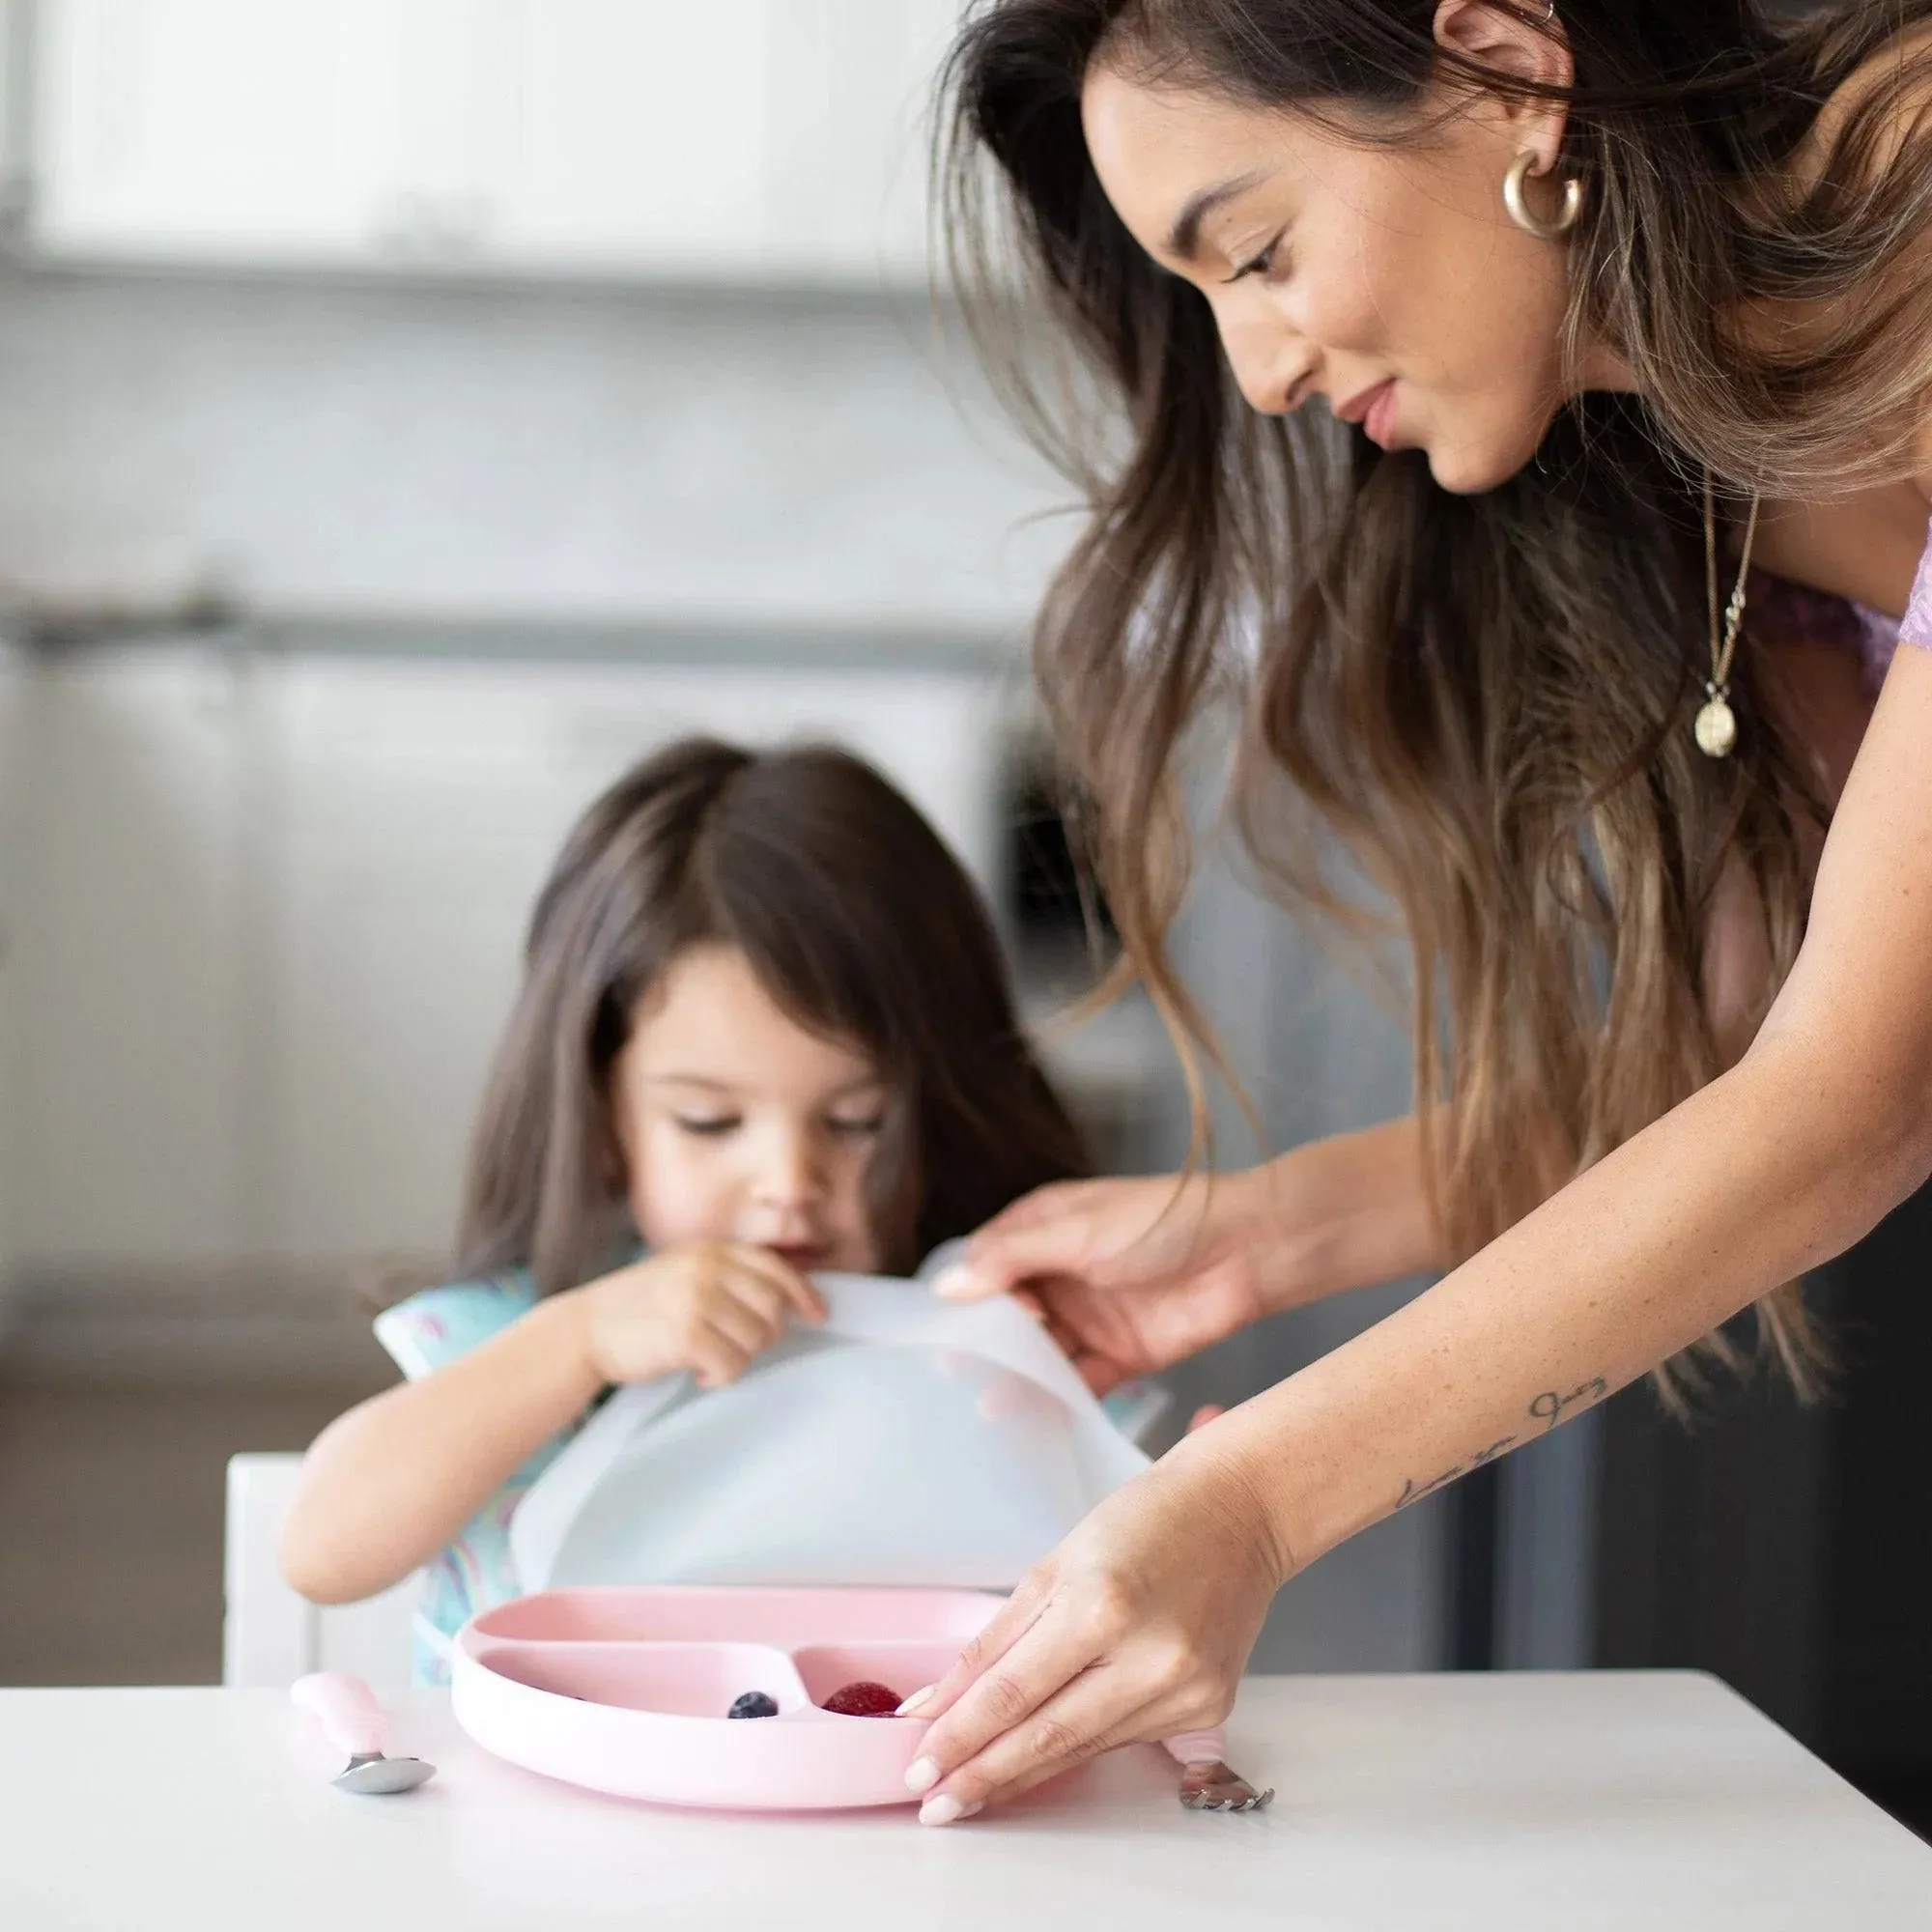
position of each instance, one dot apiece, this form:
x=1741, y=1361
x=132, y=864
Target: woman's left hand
x=1136, y=1628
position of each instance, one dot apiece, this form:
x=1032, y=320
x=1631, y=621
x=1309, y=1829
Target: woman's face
x=737, y=1124
x=1389, y=280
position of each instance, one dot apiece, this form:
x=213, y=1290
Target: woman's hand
x=710, y=1308
x=1131, y=1275
x=1137, y=1628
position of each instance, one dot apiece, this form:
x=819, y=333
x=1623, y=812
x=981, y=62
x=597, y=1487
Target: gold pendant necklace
x=1717, y=725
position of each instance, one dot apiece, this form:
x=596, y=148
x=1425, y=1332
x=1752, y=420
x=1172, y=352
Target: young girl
x=764, y=1028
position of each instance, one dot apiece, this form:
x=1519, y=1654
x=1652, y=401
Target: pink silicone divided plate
x=626, y=1690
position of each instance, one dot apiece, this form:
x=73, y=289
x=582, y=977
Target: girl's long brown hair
x=858, y=923
x=1487, y=698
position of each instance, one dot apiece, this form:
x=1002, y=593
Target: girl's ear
x=613, y=1156
x=614, y=1175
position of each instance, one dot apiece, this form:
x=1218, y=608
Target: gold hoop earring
x=1524, y=217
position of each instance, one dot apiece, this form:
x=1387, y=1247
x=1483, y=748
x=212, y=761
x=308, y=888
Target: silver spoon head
x=382, y=1776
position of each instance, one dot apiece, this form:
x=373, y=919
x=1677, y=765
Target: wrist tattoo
x=1551, y=1407
x=1413, y=1491
x=1548, y=1408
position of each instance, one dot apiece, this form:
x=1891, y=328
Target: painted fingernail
x=916, y=1702
x=953, y=1284
x=921, y=1774
x=945, y=1810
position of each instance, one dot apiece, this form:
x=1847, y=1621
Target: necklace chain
x=1716, y=728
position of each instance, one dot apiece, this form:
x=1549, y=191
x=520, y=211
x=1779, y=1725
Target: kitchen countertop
x=1640, y=1800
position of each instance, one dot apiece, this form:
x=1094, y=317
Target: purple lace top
x=1797, y=613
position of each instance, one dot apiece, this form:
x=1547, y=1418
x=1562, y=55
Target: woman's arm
x=1823, y=1126
x=388, y=1483
x=1351, y=1212
x=1820, y=1128
x=1145, y=1272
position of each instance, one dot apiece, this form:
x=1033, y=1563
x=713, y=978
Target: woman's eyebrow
x=1183, y=239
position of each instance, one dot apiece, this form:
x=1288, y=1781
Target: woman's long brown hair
x=1482, y=702
x=858, y=923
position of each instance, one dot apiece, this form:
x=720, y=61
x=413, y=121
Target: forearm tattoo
x=1548, y=1408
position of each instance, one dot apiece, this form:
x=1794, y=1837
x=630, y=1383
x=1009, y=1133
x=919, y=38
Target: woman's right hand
x=1131, y=1275
x=709, y=1308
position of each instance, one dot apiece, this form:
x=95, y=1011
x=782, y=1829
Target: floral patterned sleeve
x=477, y=1570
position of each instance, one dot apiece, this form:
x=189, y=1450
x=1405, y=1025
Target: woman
x=1614, y=305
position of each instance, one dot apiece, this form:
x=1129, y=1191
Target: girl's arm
x=391, y=1482
x=1140, y=1624
x=387, y=1484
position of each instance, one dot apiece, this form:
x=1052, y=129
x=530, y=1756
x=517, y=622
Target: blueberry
x=755, y=1704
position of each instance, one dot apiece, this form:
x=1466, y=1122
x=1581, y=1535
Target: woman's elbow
x=1866, y=1109
x=1900, y=1137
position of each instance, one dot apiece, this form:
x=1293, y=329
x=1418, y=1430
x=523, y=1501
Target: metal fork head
x=1212, y=1787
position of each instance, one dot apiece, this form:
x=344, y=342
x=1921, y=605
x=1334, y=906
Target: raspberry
x=863, y=1700
x=755, y=1704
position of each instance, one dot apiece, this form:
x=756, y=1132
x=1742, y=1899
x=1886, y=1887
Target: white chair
x=270, y=1634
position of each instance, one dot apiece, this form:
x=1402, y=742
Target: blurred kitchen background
x=414, y=409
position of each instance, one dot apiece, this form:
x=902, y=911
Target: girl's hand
x=1131, y=1275
x=1137, y=1628
x=709, y=1308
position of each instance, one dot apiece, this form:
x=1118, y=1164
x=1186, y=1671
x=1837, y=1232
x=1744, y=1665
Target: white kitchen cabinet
x=738, y=140
x=215, y=129
x=15, y=94
x=848, y=102
x=133, y=1014
x=623, y=137
x=411, y=826
x=743, y=139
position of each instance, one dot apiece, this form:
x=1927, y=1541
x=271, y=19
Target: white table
x=1641, y=1801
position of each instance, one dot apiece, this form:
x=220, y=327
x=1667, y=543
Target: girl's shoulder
x=434, y=1327
x=440, y=1324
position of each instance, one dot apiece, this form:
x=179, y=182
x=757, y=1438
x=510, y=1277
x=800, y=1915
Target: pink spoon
x=353, y=1722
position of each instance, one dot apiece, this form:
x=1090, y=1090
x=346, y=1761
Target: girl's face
x=1389, y=280
x=737, y=1124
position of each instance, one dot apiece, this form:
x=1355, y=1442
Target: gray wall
x=398, y=448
